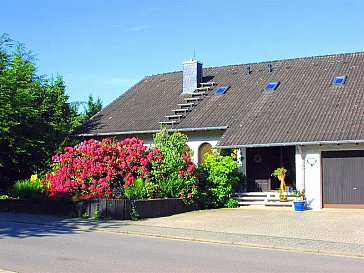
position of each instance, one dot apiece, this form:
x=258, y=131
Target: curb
x=233, y=243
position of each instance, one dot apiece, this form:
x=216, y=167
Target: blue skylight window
x=339, y=80
x=222, y=90
x=271, y=86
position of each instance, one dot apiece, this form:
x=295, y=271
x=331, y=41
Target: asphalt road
x=39, y=248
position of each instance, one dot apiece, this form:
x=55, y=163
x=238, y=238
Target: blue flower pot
x=299, y=205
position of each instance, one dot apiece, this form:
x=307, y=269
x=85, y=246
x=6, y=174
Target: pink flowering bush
x=100, y=168
x=127, y=168
x=175, y=172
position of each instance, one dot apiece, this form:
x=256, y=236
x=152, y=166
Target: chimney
x=192, y=75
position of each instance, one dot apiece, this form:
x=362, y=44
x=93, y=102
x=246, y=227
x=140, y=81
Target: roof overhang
x=339, y=142
x=153, y=131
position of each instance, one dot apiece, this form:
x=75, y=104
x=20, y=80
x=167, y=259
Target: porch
x=259, y=187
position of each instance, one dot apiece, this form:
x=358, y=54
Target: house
x=306, y=114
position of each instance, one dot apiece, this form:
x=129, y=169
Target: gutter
x=292, y=144
x=153, y=131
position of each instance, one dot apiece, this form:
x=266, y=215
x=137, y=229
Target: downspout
x=302, y=165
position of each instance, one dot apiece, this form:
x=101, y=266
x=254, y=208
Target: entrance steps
x=263, y=199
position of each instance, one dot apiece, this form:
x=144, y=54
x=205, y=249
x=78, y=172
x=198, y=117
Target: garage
x=343, y=179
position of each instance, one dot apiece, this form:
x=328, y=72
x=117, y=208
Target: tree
x=91, y=109
x=34, y=113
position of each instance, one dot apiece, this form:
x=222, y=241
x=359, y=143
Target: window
x=271, y=86
x=222, y=90
x=339, y=80
x=203, y=151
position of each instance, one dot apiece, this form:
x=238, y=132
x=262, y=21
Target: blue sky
x=105, y=47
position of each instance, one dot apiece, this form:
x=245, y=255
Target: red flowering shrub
x=100, y=168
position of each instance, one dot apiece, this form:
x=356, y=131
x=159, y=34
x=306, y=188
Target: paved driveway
x=333, y=225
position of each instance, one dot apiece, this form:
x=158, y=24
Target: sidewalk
x=328, y=231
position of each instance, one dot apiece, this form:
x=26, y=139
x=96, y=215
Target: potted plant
x=280, y=173
x=299, y=203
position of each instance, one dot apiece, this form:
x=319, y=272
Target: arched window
x=186, y=149
x=204, y=150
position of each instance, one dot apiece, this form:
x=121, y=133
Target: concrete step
x=257, y=203
x=263, y=199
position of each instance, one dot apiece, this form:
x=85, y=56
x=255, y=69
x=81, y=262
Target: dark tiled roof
x=305, y=107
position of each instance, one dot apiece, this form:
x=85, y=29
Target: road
x=39, y=248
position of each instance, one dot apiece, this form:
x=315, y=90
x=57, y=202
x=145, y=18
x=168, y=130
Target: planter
x=299, y=205
x=283, y=197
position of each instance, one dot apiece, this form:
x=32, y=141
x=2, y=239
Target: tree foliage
x=34, y=113
x=90, y=108
x=175, y=172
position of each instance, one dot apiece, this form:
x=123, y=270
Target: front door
x=261, y=162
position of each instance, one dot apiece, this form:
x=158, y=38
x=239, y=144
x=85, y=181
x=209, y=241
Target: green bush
x=174, y=175
x=135, y=190
x=5, y=197
x=27, y=189
x=218, y=177
x=231, y=203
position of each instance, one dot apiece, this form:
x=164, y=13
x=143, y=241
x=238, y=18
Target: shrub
x=100, y=168
x=175, y=172
x=218, y=177
x=5, y=197
x=29, y=188
x=135, y=190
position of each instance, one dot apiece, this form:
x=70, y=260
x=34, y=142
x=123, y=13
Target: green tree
x=91, y=109
x=35, y=116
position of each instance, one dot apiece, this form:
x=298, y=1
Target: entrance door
x=343, y=179
x=261, y=162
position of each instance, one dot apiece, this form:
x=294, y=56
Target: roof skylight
x=222, y=90
x=271, y=86
x=339, y=80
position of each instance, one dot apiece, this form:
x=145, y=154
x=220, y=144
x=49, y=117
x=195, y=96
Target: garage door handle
x=355, y=189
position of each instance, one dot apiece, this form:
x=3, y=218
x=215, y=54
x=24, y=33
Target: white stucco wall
x=309, y=170
x=241, y=158
x=195, y=140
